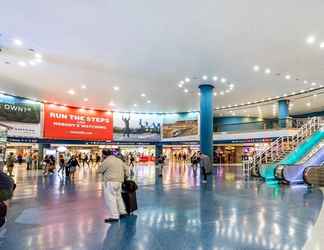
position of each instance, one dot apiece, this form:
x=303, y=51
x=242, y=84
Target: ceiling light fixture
x=32, y=63
x=311, y=39
x=267, y=71
x=288, y=77
x=148, y=101
x=223, y=80
x=116, y=88
x=205, y=78
x=143, y=95
x=256, y=68
x=83, y=86
x=85, y=99
x=215, y=78
x=17, y=42
x=180, y=85
x=71, y=92
x=186, y=90
x=22, y=64
x=135, y=105
x=187, y=79
x=322, y=45
x=38, y=55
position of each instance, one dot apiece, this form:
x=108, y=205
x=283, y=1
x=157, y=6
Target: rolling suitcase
x=129, y=188
x=130, y=201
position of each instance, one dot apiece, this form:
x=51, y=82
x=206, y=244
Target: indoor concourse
x=162, y=125
x=176, y=212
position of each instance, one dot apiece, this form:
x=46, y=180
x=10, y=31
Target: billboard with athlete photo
x=137, y=127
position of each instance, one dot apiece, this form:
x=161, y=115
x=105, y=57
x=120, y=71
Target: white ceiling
x=149, y=46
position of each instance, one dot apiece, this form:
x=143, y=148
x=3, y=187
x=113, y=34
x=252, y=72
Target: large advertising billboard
x=77, y=124
x=22, y=115
x=137, y=127
x=182, y=126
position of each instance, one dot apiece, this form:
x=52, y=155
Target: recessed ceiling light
x=315, y=95
x=135, y=105
x=308, y=104
x=180, y=85
x=148, y=101
x=22, y=64
x=204, y=78
x=215, y=78
x=256, y=68
x=227, y=90
x=231, y=85
x=314, y=83
x=116, y=88
x=85, y=99
x=71, y=92
x=17, y=42
x=111, y=103
x=143, y=95
x=39, y=60
x=267, y=71
x=83, y=86
x=187, y=79
x=288, y=77
x=38, y=55
x=215, y=93
x=186, y=90
x=322, y=45
x=221, y=93
x=182, y=82
x=199, y=93
x=32, y=63
x=223, y=80
x=311, y=39
x=305, y=82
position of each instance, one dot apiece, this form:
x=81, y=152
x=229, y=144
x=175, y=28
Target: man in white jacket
x=114, y=172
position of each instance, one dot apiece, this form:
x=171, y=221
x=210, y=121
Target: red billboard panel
x=77, y=124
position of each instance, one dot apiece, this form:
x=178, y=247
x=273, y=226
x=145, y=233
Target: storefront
x=234, y=153
x=179, y=152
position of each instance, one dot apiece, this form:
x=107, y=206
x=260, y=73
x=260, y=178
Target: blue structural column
x=283, y=113
x=206, y=119
x=158, y=150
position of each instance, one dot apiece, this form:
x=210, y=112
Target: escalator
x=314, y=175
x=267, y=171
x=294, y=174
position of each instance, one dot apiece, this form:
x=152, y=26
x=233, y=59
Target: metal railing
x=278, y=149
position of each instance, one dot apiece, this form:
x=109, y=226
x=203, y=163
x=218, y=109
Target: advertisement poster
x=21, y=115
x=77, y=124
x=137, y=127
x=180, y=126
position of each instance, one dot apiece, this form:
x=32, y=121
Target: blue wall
x=239, y=123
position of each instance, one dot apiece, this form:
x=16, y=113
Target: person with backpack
x=114, y=172
x=72, y=165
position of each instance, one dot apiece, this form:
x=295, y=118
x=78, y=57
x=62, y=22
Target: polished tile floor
x=175, y=212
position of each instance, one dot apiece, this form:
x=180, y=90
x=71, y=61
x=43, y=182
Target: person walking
x=114, y=172
x=61, y=164
x=29, y=161
x=2, y=161
x=204, y=165
x=10, y=163
x=194, y=163
x=71, y=166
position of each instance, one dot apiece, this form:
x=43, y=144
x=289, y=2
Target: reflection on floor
x=176, y=212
